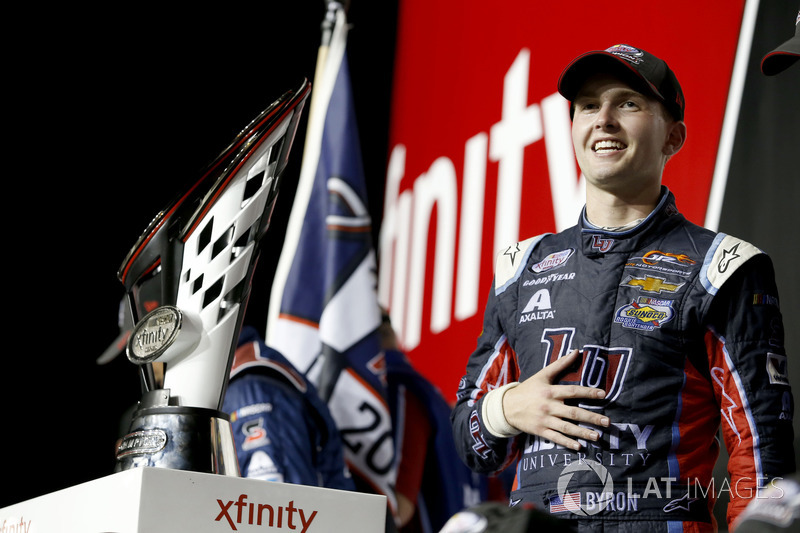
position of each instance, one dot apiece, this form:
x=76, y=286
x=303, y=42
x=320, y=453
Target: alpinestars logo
x=262, y=514
x=728, y=256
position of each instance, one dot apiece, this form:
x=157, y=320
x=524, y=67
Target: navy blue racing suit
x=283, y=431
x=681, y=327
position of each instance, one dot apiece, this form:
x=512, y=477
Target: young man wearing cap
x=612, y=352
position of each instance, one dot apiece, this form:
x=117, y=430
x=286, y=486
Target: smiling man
x=607, y=385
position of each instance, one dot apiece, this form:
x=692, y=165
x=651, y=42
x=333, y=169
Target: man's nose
x=606, y=117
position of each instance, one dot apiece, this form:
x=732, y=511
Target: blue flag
x=324, y=313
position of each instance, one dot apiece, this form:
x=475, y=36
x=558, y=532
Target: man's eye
x=629, y=104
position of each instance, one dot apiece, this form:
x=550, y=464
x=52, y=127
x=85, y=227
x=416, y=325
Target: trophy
x=187, y=280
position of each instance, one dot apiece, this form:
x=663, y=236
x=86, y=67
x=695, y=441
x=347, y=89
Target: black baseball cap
x=641, y=70
x=784, y=55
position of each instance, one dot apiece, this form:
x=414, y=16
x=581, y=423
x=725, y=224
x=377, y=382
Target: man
x=612, y=352
x=432, y=483
x=283, y=431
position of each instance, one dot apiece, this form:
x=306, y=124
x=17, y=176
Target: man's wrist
x=494, y=417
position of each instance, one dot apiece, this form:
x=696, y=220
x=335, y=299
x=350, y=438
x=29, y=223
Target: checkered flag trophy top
x=187, y=281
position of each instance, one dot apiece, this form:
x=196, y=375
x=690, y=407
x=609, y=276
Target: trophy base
x=180, y=438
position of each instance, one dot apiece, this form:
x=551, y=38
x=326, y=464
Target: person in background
x=283, y=431
x=432, y=482
x=612, y=352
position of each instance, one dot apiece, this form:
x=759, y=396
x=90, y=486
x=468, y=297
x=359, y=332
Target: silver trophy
x=187, y=280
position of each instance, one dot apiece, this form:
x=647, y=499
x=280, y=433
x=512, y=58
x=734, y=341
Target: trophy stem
x=181, y=438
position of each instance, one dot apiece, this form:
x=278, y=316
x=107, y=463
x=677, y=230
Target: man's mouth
x=604, y=147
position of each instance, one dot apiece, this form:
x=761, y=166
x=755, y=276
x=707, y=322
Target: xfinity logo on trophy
x=154, y=334
x=241, y=512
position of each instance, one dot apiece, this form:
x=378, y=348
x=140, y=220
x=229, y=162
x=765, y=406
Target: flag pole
x=318, y=104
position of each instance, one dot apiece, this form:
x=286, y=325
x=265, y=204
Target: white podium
x=160, y=500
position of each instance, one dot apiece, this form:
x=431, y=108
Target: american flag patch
x=571, y=501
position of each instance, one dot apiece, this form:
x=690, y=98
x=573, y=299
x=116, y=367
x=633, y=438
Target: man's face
x=621, y=137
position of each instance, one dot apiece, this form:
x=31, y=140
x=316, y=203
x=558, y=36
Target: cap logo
x=628, y=53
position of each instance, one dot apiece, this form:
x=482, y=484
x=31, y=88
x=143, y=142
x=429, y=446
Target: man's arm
x=748, y=361
x=491, y=366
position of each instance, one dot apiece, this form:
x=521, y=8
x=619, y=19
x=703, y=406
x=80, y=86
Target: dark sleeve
x=329, y=458
x=274, y=434
x=748, y=365
x=493, y=364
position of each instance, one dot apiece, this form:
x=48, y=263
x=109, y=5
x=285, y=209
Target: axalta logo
x=261, y=466
x=241, y=512
x=552, y=261
x=645, y=314
x=538, y=307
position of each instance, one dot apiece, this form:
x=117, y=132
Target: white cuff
x=493, y=416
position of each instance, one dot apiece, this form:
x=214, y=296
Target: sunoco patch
x=645, y=313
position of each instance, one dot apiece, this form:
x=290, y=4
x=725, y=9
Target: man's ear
x=676, y=136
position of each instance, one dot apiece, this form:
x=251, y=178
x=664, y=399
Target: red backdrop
x=477, y=83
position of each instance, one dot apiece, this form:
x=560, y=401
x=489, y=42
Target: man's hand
x=536, y=406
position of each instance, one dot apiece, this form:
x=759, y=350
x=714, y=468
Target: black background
x=111, y=114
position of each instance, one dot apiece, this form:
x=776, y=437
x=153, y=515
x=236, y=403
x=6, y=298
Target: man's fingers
x=558, y=438
x=577, y=414
x=566, y=392
x=561, y=432
x=559, y=365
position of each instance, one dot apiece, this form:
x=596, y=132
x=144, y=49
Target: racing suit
x=283, y=431
x=429, y=473
x=681, y=327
